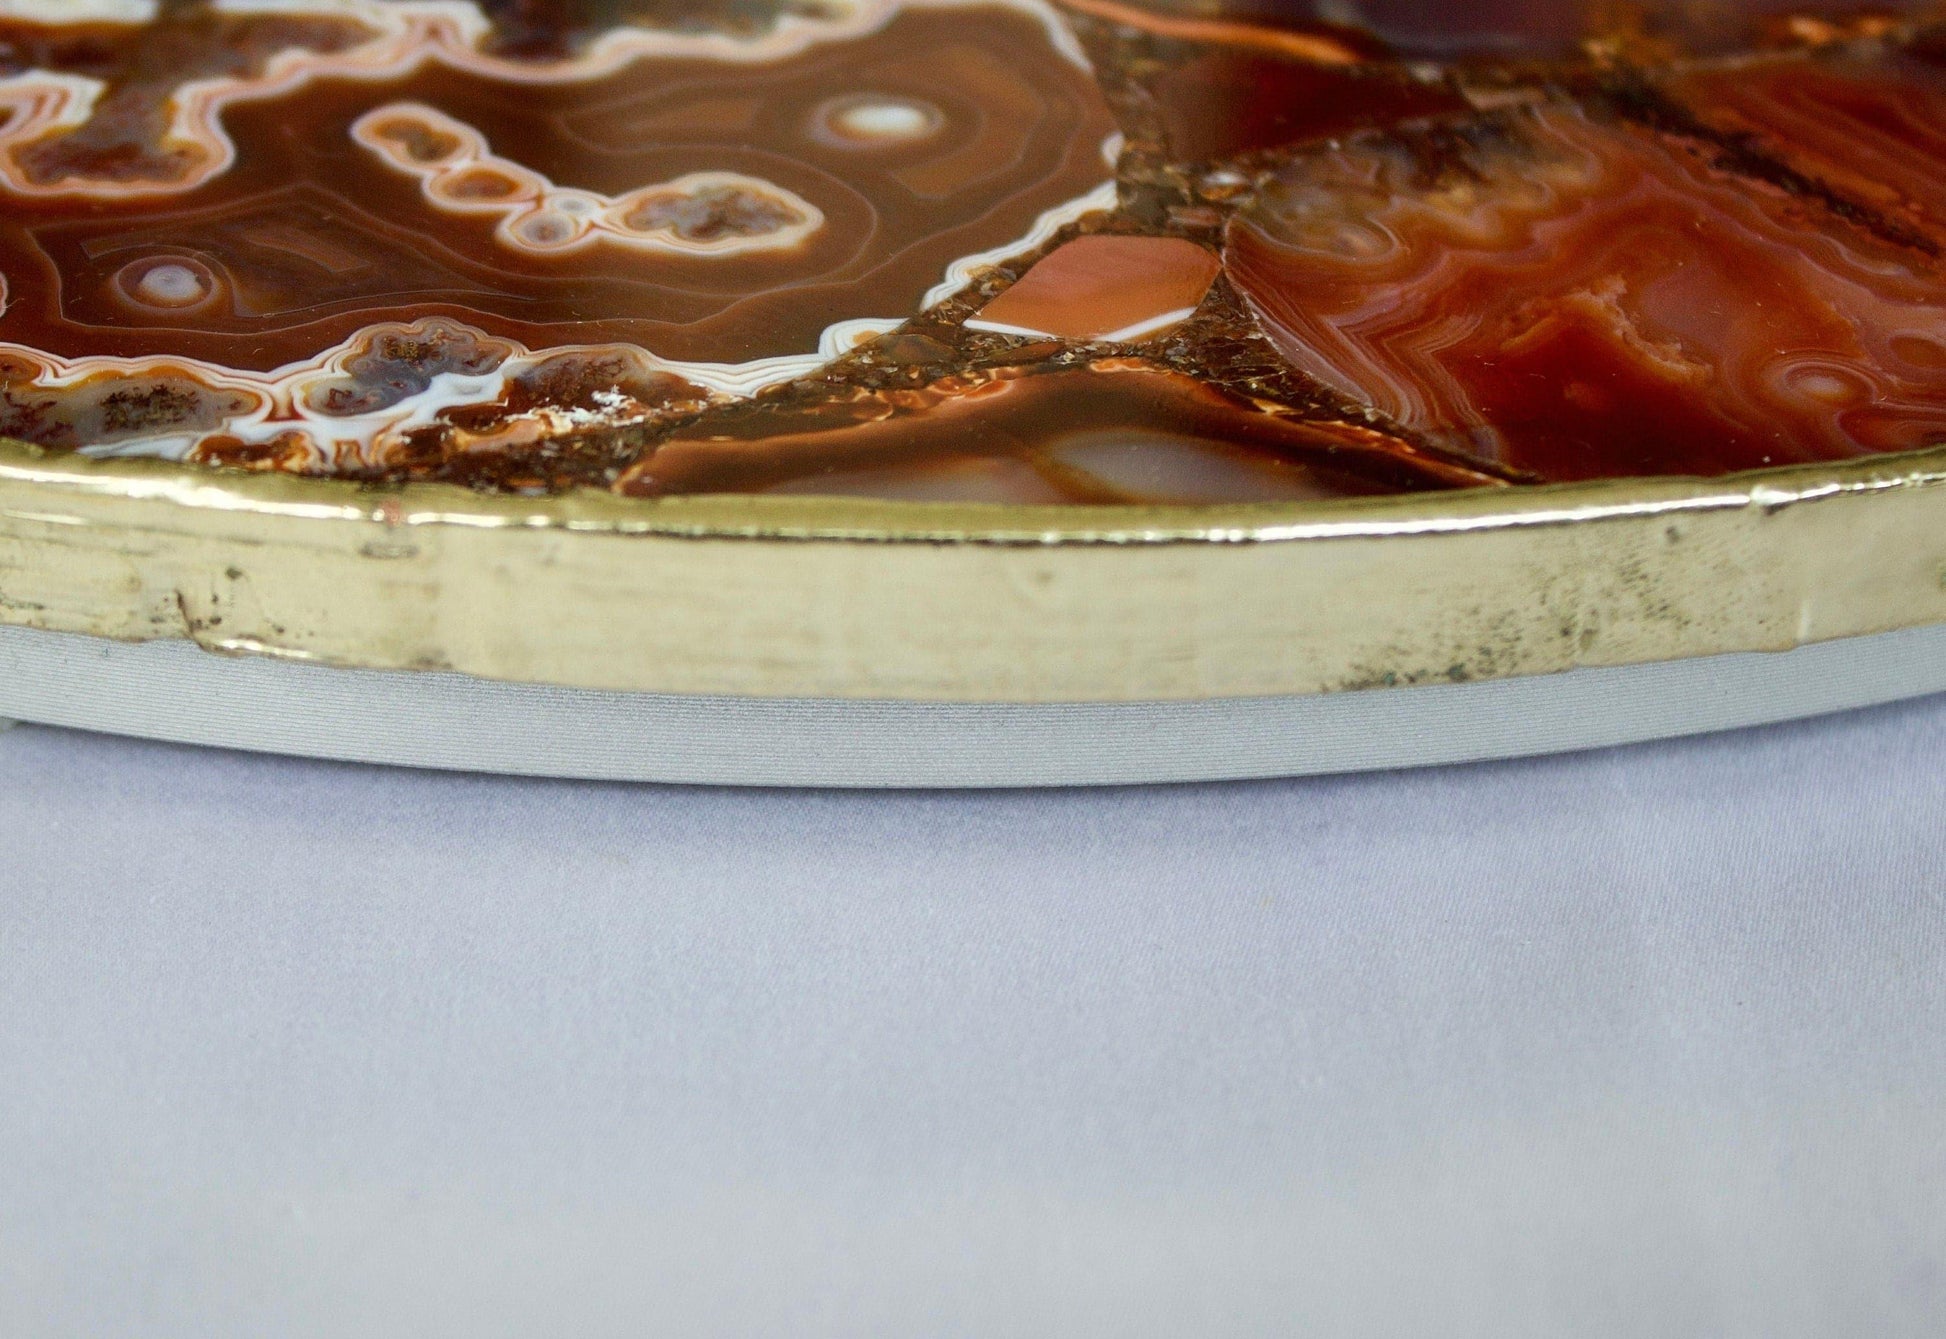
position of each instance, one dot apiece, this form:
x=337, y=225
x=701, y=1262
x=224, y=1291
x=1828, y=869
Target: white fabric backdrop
x=1648, y=1042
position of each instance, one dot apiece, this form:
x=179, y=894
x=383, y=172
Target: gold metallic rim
x=830, y=597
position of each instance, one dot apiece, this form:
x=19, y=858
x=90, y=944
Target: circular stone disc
x=828, y=641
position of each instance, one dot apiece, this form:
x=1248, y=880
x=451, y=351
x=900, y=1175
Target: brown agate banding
x=1872, y=128
x=1579, y=299
x=739, y=208
x=890, y=246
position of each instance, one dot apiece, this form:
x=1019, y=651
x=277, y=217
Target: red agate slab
x=1004, y=250
x=1580, y=300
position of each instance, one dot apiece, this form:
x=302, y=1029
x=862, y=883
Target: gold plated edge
x=852, y=598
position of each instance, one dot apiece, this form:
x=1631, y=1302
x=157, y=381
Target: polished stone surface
x=882, y=247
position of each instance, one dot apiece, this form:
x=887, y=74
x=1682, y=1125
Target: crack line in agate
x=699, y=213
x=1313, y=47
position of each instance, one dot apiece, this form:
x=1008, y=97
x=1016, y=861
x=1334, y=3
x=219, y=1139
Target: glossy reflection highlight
x=1580, y=299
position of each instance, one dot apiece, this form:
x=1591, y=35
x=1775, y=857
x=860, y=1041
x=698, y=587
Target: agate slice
x=1029, y=251
x=1580, y=300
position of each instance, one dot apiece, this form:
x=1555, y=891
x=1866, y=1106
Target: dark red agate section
x=1087, y=251
x=1577, y=300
